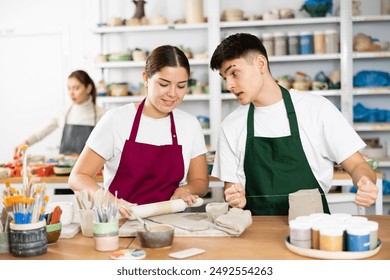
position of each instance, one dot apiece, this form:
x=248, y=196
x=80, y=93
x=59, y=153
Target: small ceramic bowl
x=62, y=170
x=159, y=236
x=53, y=232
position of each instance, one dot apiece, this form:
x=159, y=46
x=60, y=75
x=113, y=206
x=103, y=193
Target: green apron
x=276, y=167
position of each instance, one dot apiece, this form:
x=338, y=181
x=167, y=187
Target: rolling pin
x=161, y=208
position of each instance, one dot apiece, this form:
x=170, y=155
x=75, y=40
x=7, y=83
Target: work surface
x=264, y=239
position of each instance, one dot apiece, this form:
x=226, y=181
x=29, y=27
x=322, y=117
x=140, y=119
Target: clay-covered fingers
x=235, y=196
x=367, y=192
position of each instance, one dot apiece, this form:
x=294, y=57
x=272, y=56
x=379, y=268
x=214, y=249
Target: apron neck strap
x=292, y=118
x=137, y=120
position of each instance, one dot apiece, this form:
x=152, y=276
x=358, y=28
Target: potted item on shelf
x=232, y=15
x=285, y=81
x=374, y=149
x=302, y=81
x=371, y=78
x=364, y=43
x=114, y=21
x=101, y=58
x=158, y=20
x=101, y=88
x=119, y=89
x=120, y=56
x=317, y=8
x=139, y=55
x=194, y=11
x=363, y=114
x=334, y=80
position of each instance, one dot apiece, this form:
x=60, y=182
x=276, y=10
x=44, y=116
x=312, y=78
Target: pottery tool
x=104, y=206
x=146, y=227
x=164, y=207
x=25, y=174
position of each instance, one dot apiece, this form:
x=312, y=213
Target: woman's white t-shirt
x=109, y=136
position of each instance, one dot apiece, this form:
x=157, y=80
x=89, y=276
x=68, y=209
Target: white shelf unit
x=218, y=104
x=122, y=38
x=374, y=97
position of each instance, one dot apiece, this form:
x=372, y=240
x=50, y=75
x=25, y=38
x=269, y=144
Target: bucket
x=28, y=240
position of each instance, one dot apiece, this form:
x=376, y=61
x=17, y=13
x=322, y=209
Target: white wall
x=41, y=42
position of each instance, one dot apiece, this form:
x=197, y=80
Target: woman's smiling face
x=166, y=90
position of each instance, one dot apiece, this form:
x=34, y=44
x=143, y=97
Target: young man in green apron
x=280, y=141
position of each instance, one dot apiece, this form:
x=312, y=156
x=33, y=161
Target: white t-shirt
x=326, y=136
x=109, y=136
x=80, y=114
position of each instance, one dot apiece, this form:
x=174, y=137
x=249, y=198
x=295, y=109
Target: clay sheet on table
x=69, y=231
x=185, y=224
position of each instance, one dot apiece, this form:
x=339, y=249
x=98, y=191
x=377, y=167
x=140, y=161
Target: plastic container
x=300, y=233
x=319, y=42
x=293, y=43
x=86, y=222
x=268, y=42
x=373, y=227
x=358, y=237
x=331, y=238
x=331, y=41
x=280, y=43
x=306, y=42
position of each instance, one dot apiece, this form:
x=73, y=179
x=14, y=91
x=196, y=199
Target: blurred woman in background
x=76, y=120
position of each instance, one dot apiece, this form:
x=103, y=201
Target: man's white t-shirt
x=109, y=136
x=326, y=136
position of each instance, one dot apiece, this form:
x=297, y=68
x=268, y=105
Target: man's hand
x=235, y=196
x=367, y=192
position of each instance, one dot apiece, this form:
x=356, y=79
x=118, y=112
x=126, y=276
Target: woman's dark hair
x=86, y=80
x=166, y=56
x=236, y=46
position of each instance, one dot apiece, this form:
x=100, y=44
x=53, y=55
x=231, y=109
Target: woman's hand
x=124, y=208
x=235, y=196
x=185, y=194
x=18, y=149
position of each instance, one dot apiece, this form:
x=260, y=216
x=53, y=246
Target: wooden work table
x=264, y=240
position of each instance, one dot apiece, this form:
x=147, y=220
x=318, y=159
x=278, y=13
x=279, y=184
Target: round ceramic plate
x=328, y=255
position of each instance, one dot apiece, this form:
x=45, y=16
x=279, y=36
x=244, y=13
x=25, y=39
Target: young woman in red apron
x=146, y=172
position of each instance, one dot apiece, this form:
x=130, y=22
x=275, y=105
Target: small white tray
x=329, y=255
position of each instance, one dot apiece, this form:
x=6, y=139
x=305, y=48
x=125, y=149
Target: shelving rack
x=219, y=103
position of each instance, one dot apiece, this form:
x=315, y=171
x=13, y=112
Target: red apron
x=148, y=173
